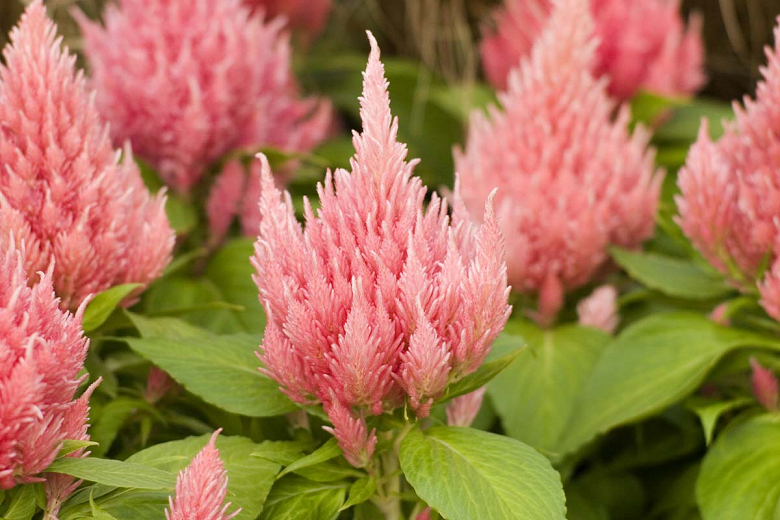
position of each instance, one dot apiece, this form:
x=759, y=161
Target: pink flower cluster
x=306, y=15
x=63, y=190
x=730, y=196
x=201, y=488
x=377, y=300
x=42, y=351
x=642, y=44
x=572, y=180
x=187, y=81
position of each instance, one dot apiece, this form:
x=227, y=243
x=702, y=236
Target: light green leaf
x=362, y=489
x=22, y=506
x=100, y=308
x=69, y=446
x=484, y=374
x=181, y=214
x=709, y=412
x=685, y=122
x=99, y=513
x=534, y=396
x=651, y=365
x=113, y=473
x=740, y=475
x=466, y=474
x=327, y=451
x=222, y=370
x=296, y=498
x=282, y=452
x=672, y=276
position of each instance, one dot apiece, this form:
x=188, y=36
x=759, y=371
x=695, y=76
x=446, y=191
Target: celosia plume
x=462, y=410
x=188, y=80
x=730, y=198
x=63, y=191
x=599, y=310
x=42, y=351
x=306, y=15
x=642, y=44
x=201, y=488
x=764, y=384
x=376, y=300
x=571, y=178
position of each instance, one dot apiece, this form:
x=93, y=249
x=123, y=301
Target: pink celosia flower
x=158, y=383
x=571, y=178
x=599, y=310
x=188, y=80
x=62, y=190
x=730, y=199
x=462, y=410
x=307, y=15
x=377, y=300
x=201, y=488
x=42, y=351
x=764, y=386
x=642, y=45
x=720, y=315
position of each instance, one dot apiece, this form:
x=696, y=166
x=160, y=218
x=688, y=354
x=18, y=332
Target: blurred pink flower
x=462, y=410
x=187, y=81
x=201, y=488
x=377, y=299
x=599, y=310
x=42, y=351
x=158, y=383
x=764, y=384
x=571, y=178
x=63, y=191
x=730, y=197
x=642, y=44
x=306, y=15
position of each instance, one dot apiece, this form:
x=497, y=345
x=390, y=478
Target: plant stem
x=388, y=498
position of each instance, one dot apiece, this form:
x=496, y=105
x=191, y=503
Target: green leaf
x=181, y=214
x=683, y=126
x=296, y=498
x=99, y=513
x=329, y=450
x=466, y=474
x=534, y=397
x=672, y=276
x=114, y=473
x=222, y=370
x=100, y=308
x=646, y=107
x=740, y=475
x=22, y=506
x=654, y=363
x=362, y=489
x=69, y=446
x=111, y=419
x=710, y=412
x=484, y=374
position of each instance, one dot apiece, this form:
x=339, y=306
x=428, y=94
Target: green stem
x=388, y=498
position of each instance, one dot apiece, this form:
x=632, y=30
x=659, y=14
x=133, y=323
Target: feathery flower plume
x=376, y=300
x=188, y=80
x=201, y=488
x=730, y=200
x=42, y=351
x=305, y=15
x=63, y=191
x=462, y=410
x=643, y=45
x=571, y=178
x=599, y=310
x=764, y=384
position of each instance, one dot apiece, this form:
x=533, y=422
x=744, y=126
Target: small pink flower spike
x=462, y=410
x=764, y=384
x=63, y=190
x=186, y=81
x=377, y=302
x=642, y=45
x=305, y=15
x=42, y=352
x=729, y=198
x=158, y=383
x=571, y=179
x=720, y=316
x=201, y=488
x=599, y=310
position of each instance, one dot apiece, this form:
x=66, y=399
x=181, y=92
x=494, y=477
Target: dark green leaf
x=327, y=451
x=114, y=473
x=296, y=498
x=485, y=373
x=100, y=308
x=362, y=489
x=22, y=506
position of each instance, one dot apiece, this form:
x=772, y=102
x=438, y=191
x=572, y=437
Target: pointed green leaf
x=362, y=489
x=22, y=506
x=114, y=473
x=296, y=498
x=327, y=451
x=100, y=308
x=484, y=374
x=710, y=412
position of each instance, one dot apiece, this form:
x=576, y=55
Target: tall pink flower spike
x=201, y=488
x=42, y=351
x=643, y=44
x=572, y=179
x=377, y=301
x=462, y=410
x=187, y=81
x=306, y=15
x=63, y=190
x=730, y=197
